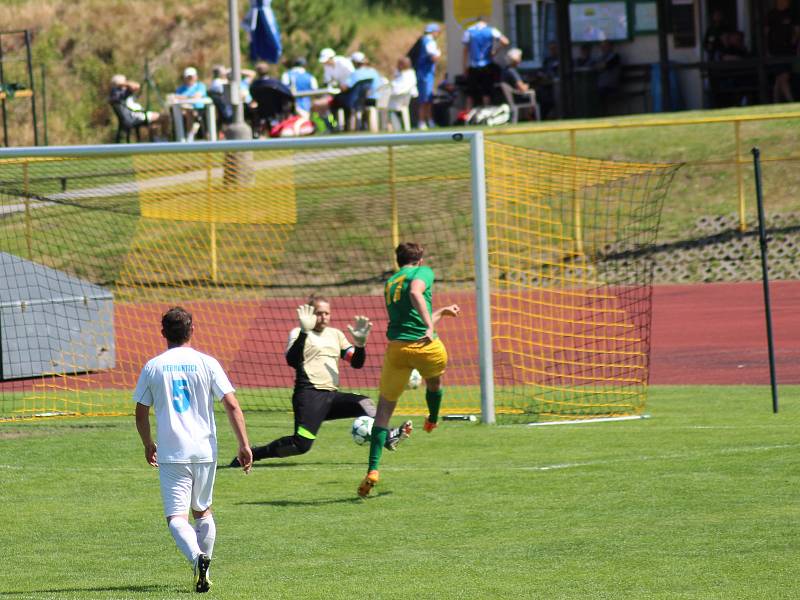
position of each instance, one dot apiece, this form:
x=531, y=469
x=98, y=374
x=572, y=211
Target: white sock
x=185, y=537
x=206, y=530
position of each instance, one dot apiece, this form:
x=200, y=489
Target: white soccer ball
x=362, y=430
x=414, y=380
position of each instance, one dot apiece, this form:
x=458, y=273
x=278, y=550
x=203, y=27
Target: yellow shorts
x=429, y=358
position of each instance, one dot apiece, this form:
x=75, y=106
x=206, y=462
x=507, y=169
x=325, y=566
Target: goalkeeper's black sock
x=290, y=445
x=379, y=435
x=434, y=401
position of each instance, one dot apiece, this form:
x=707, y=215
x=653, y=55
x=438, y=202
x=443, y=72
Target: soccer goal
x=544, y=254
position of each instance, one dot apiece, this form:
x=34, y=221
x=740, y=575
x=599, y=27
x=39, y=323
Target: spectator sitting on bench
x=191, y=89
x=511, y=76
x=220, y=77
x=363, y=72
x=405, y=79
x=123, y=92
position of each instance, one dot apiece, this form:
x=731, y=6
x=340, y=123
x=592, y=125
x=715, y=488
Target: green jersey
x=405, y=323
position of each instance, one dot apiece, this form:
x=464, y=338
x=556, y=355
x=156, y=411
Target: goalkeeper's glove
x=308, y=320
x=360, y=330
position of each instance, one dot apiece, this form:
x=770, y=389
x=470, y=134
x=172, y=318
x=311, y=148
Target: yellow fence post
x=28, y=223
x=737, y=129
x=576, y=203
x=393, y=197
x=213, y=223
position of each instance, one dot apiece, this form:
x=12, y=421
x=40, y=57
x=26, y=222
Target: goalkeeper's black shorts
x=312, y=407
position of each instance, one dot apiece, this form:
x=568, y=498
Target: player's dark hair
x=176, y=325
x=314, y=298
x=409, y=252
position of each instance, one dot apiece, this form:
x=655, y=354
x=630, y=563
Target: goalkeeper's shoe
x=369, y=482
x=429, y=425
x=201, y=581
x=398, y=435
x=235, y=464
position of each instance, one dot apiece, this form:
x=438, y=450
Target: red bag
x=294, y=126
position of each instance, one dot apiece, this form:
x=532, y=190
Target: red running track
x=715, y=333
x=702, y=334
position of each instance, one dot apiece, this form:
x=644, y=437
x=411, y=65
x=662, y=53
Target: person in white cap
x=363, y=72
x=337, y=68
x=190, y=89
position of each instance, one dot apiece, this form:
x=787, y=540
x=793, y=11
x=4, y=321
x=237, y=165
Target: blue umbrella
x=265, y=37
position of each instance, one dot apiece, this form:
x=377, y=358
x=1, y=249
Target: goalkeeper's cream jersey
x=321, y=354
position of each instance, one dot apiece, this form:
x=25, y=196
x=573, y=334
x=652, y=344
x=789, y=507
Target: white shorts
x=185, y=486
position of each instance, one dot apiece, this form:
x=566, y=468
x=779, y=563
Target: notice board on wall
x=597, y=21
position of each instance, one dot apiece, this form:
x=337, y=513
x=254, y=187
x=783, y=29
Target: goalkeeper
x=413, y=344
x=314, y=351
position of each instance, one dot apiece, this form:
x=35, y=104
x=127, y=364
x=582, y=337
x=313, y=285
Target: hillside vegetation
x=80, y=44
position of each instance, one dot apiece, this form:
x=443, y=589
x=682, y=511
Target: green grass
x=700, y=501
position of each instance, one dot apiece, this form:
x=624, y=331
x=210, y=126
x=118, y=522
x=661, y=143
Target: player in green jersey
x=413, y=344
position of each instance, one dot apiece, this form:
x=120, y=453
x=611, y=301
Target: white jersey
x=182, y=384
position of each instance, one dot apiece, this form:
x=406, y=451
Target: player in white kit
x=181, y=385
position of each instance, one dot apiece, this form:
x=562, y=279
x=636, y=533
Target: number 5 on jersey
x=180, y=395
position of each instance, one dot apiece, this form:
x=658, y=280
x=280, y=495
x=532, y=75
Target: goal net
x=96, y=243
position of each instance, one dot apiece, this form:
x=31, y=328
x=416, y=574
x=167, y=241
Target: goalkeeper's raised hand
x=307, y=318
x=360, y=330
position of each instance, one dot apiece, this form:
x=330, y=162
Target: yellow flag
x=467, y=11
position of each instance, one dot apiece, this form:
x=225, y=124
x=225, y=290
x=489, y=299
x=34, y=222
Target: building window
x=530, y=24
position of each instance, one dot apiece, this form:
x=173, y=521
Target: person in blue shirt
x=425, y=67
x=191, y=89
x=298, y=79
x=363, y=72
x=479, y=46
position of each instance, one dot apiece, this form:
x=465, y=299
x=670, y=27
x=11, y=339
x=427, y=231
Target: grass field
x=699, y=501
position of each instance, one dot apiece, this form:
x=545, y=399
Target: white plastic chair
x=377, y=115
x=509, y=93
x=398, y=104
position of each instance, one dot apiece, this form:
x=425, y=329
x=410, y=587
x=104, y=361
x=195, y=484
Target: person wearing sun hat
x=337, y=68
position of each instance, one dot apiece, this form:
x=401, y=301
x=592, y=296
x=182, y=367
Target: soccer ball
x=362, y=430
x=414, y=380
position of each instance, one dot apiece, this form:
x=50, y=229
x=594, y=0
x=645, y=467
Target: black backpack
x=415, y=52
